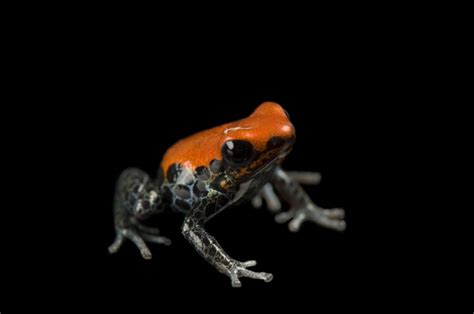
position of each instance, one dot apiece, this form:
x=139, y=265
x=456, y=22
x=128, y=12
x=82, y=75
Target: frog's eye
x=237, y=151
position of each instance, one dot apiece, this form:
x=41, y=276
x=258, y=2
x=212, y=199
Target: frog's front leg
x=136, y=197
x=302, y=207
x=208, y=247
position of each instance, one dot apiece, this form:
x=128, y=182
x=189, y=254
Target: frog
x=213, y=170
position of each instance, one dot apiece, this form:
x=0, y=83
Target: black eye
x=237, y=151
x=287, y=114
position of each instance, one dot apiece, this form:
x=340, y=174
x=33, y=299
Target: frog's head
x=241, y=149
x=252, y=145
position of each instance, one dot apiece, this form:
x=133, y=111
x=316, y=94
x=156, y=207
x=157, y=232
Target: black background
x=121, y=101
x=95, y=91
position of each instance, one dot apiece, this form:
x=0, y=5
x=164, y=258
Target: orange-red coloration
x=268, y=120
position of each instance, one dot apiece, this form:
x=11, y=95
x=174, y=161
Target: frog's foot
x=137, y=233
x=302, y=208
x=328, y=218
x=239, y=269
x=267, y=193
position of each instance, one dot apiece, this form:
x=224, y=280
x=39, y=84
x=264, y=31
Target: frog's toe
x=285, y=216
x=235, y=282
x=257, y=201
x=267, y=277
x=240, y=270
x=146, y=229
x=157, y=239
x=305, y=177
x=328, y=218
x=137, y=239
x=114, y=247
x=150, y=234
x=337, y=213
x=146, y=254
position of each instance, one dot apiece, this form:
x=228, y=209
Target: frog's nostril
x=275, y=142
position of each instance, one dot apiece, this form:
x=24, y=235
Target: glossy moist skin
x=212, y=170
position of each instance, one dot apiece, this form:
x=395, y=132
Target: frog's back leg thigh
x=136, y=198
x=287, y=185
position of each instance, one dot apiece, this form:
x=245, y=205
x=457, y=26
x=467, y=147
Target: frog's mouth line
x=255, y=169
x=267, y=166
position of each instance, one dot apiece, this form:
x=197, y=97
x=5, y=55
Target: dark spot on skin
x=203, y=173
x=146, y=205
x=188, y=179
x=212, y=250
x=172, y=172
x=196, y=190
x=182, y=191
x=196, y=202
x=216, y=166
x=200, y=189
x=201, y=186
x=275, y=142
x=182, y=205
x=226, y=262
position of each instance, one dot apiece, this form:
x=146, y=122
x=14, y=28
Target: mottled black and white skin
x=213, y=170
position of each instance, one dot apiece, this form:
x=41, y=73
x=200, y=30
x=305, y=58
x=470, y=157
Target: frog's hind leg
x=136, y=198
x=272, y=200
x=287, y=184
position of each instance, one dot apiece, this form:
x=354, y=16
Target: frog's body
x=215, y=169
